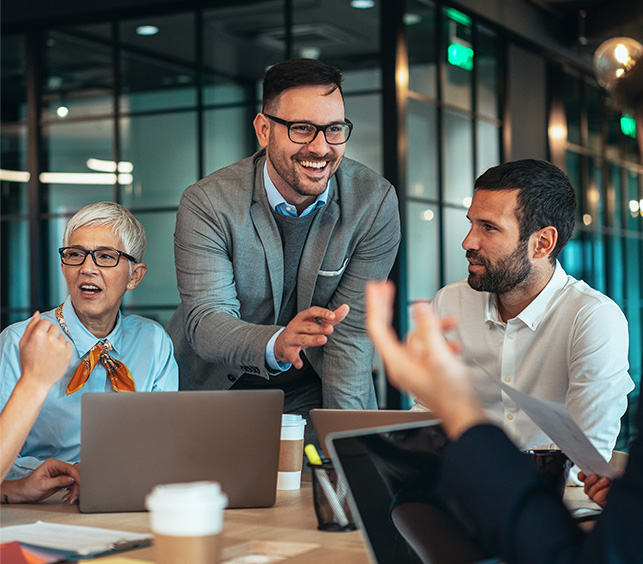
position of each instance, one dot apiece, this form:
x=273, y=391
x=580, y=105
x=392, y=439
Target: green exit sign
x=628, y=126
x=460, y=56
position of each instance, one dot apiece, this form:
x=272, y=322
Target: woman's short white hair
x=120, y=219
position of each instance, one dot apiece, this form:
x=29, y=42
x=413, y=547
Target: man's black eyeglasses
x=106, y=258
x=302, y=132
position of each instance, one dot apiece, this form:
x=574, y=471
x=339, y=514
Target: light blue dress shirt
x=280, y=205
x=142, y=344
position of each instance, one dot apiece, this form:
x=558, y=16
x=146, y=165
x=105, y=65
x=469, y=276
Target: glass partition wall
x=136, y=108
x=602, y=160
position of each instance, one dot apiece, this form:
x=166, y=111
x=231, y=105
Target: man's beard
x=288, y=169
x=503, y=276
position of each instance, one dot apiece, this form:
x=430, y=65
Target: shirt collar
x=279, y=204
x=533, y=314
x=82, y=338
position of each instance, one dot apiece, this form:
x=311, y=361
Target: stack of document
x=47, y=543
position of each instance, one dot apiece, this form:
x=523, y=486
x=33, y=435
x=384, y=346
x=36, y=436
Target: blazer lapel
x=315, y=248
x=268, y=233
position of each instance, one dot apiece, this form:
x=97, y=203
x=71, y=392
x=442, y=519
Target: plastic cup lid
x=288, y=419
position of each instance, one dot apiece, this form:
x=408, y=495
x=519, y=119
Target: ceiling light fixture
x=614, y=58
x=102, y=165
x=412, y=19
x=362, y=4
x=147, y=30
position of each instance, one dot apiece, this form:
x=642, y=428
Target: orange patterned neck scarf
x=117, y=372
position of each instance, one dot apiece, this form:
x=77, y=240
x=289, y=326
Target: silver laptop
x=390, y=472
x=133, y=442
x=328, y=421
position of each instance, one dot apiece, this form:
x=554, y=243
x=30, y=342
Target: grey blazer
x=229, y=265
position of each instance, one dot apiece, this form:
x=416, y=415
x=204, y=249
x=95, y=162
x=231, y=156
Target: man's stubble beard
x=504, y=276
x=289, y=171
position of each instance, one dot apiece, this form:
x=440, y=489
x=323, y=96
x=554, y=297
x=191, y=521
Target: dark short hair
x=299, y=72
x=545, y=197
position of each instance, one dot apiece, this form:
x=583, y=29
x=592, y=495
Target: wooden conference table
x=291, y=520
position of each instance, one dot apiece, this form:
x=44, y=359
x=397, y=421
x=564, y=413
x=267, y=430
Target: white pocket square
x=335, y=272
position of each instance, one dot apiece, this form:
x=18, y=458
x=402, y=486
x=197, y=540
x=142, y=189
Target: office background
x=97, y=106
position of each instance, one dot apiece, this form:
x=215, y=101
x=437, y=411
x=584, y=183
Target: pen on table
x=326, y=486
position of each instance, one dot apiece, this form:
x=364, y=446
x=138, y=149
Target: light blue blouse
x=142, y=344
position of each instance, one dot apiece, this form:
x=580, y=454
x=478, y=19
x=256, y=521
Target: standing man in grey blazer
x=273, y=254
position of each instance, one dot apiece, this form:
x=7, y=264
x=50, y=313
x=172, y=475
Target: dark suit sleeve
x=493, y=487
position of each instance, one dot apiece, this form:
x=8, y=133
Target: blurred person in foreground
x=484, y=476
x=101, y=259
x=44, y=356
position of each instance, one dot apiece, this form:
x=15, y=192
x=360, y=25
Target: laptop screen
x=391, y=473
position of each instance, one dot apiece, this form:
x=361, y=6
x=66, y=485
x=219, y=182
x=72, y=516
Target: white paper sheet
x=554, y=419
x=83, y=541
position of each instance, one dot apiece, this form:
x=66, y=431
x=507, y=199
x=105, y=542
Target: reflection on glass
x=362, y=79
x=486, y=54
x=615, y=196
x=336, y=33
x=228, y=137
x=634, y=219
x=458, y=176
x=240, y=42
x=615, y=270
x=573, y=171
x=14, y=82
x=158, y=71
x=422, y=156
x=628, y=128
x=423, y=255
x=456, y=227
x=14, y=261
x=595, y=269
x=56, y=288
x=572, y=98
x=14, y=195
x=174, y=39
x=78, y=73
x=420, y=20
x=223, y=91
x=633, y=190
x=164, y=164
x=633, y=310
x=595, y=191
x=614, y=134
x=571, y=257
x=365, y=143
x=159, y=285
x=487, y=146
x=71, y=183
x=593, y=103
x=457, y=44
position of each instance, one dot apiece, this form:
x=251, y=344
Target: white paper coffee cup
x=291, y=451
x=187, y=520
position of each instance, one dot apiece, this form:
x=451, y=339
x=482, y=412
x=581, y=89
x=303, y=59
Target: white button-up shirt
x=569, y=345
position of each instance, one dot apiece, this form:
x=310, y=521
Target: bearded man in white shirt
x=522, y=319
